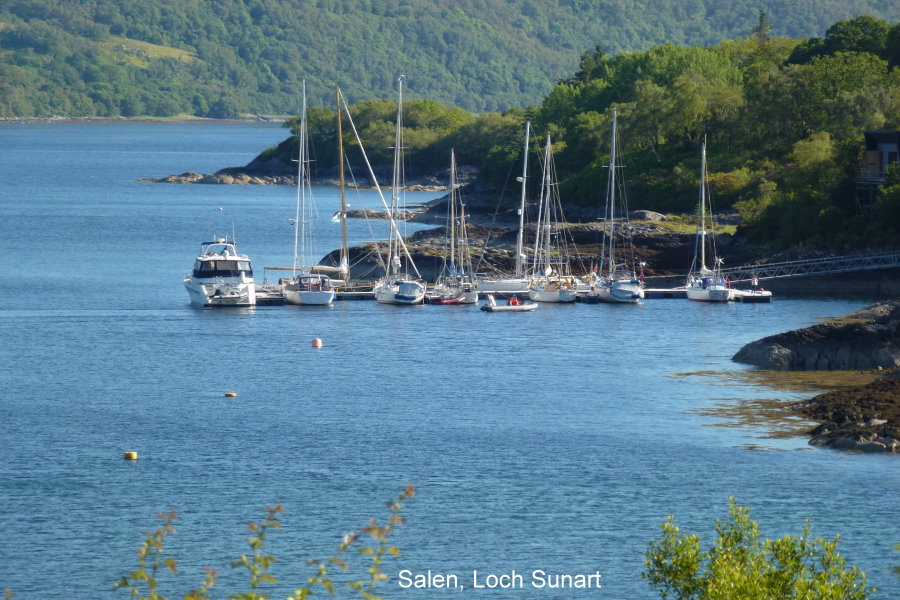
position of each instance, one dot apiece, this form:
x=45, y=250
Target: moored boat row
x=543, y=272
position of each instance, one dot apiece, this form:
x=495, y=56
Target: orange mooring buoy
x=316, y=343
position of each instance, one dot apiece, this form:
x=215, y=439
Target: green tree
x=741, y=565
x=762, y=31
x=808, y=96
x=887, y=207
x=863, y=34
x=892, y=50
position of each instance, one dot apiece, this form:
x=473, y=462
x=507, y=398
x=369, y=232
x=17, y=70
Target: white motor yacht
x=221, y=276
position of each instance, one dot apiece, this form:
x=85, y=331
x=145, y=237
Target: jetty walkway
x=863, y=261
x=670, y=286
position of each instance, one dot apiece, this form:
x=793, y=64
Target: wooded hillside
x=217, y=59
x=784, y=121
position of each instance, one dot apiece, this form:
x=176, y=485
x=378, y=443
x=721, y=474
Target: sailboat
x=551, y=279
x=455, y=283
x=705, y=284
x=617, y=283
x=308, y=285
x=398, y=286
x=518, y=282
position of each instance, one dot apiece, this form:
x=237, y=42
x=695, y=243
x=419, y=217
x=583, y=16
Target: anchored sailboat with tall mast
x=705, y=284
x=309, y=285
x=455, y=283
x=552, y=280
x=616, y=282
x=518, y=282
x=398, y=286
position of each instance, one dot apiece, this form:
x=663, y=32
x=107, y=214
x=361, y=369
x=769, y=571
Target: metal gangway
x=863, y=261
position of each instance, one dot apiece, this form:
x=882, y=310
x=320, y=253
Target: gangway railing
x=864, y=261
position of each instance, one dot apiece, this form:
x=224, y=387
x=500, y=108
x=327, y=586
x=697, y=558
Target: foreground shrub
x=743, y=566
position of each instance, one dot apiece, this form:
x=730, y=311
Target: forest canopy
x=784, y=121
x=219, y=59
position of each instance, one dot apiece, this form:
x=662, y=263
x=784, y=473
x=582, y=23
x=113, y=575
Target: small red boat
x=447, y=299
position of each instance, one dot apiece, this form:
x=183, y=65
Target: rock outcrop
x=869, y=340
x=862, y=419
x=224, y=178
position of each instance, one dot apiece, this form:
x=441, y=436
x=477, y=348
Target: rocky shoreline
x=863, y=418
x=58, y=119
x=866, y=339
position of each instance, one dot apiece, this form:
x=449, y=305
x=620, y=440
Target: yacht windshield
x=222, y=268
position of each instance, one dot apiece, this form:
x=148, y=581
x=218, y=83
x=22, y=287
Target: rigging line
x=487, y=238
x=384, y=204
x=359, y=202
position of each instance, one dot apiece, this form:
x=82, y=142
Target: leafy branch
x=150, y=551
x=143, y=582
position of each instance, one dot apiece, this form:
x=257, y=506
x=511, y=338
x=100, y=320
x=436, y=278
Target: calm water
x=553, y=440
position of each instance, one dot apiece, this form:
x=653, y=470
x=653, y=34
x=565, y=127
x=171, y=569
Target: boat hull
x=207, y=295
x=309, y=289
x=492, y=306
x=715, y=294
x=751, y=296
x=618, y=292
x=309, y=298
x=400, y=292
x=548, y=294
x=526, y=307
x=454, y=299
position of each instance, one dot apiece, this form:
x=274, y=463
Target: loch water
x=555, y=440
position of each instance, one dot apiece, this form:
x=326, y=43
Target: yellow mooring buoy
x=230, y=395
x=130, y=455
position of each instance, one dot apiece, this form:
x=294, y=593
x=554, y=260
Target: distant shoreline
x=107, y=120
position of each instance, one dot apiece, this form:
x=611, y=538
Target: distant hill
x=219, y=59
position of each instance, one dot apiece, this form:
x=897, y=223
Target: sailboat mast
x=542, y=239
x=452, y=223
x=297, y=212
x=611, y=196
x=395, y=184
x=345, y=258
x=703, y=207
x=520, y=239
x=303, y=179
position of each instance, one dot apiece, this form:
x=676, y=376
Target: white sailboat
x=398, y=286
x=518, y=282
x=704, y=284
x=616, y=282
x=309, y=285
x=551, y=280
x=455, y=283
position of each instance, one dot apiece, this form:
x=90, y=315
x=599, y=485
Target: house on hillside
x=882, y=149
